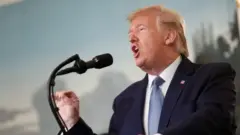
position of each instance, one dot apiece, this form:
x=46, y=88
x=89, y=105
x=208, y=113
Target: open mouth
x=135, y=50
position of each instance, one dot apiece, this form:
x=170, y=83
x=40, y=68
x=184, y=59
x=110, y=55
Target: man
x=176, y=97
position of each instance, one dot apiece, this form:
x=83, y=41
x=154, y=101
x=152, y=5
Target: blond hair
x=169, y=17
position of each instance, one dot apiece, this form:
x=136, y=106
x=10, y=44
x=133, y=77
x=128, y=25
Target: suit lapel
x=134, y=121
x=179, y=81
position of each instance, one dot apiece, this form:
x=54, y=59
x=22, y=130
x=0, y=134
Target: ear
x=171, y=36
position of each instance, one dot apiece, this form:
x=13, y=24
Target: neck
x=159, y=67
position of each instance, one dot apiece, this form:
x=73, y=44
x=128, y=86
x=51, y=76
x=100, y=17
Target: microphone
x=80, y=66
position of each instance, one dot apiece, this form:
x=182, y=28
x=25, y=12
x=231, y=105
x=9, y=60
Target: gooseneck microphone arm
x=79, y=67
x=51, y=99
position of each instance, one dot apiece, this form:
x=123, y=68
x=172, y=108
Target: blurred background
x=37, y=35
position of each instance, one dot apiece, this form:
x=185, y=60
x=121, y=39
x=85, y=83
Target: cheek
x=149, y=45
x=146, y=41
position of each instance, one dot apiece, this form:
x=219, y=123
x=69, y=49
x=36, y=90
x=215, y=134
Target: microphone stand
x=79, y=64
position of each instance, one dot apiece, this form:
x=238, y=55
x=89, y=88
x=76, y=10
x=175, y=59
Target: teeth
x=135, y=48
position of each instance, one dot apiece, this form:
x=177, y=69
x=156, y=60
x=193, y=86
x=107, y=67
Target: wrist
x=71, y=122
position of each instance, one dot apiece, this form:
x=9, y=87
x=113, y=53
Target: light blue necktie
x=155, y=107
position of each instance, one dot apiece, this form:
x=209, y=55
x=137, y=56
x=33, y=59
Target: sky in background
x=37, y=35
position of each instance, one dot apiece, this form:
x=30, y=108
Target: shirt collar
x=167, y=73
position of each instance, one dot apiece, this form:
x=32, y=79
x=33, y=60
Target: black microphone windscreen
x=103, y=60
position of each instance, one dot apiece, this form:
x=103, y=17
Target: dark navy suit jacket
x=202, y=105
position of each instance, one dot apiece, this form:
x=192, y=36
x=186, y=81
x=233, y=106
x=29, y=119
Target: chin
x=143, y=66
x=140, y=64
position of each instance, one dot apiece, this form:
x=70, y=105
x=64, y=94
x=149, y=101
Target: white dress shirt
x=167, y=76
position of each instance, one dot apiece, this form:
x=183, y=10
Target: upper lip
x=133, y=47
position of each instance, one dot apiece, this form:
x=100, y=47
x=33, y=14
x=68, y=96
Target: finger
x=59, y=98
x=59, y=94
x=66, y=98
x=72, y=96
x=70, y=101
x=56, y=96
x=62, y=94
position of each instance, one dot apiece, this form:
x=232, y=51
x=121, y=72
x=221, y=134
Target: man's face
x=146, y=41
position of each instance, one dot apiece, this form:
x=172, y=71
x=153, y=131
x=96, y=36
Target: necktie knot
x=158, y=81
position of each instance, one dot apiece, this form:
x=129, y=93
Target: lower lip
x=136, y=55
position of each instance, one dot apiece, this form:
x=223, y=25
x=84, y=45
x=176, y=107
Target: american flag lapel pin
x=182, y=82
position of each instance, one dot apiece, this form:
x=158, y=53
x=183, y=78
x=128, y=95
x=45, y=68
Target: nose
x=133, y=38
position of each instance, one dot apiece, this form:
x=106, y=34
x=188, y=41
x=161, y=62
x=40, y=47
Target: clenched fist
x=68, y=104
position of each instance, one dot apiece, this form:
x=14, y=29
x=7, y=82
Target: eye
x=142, y=28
